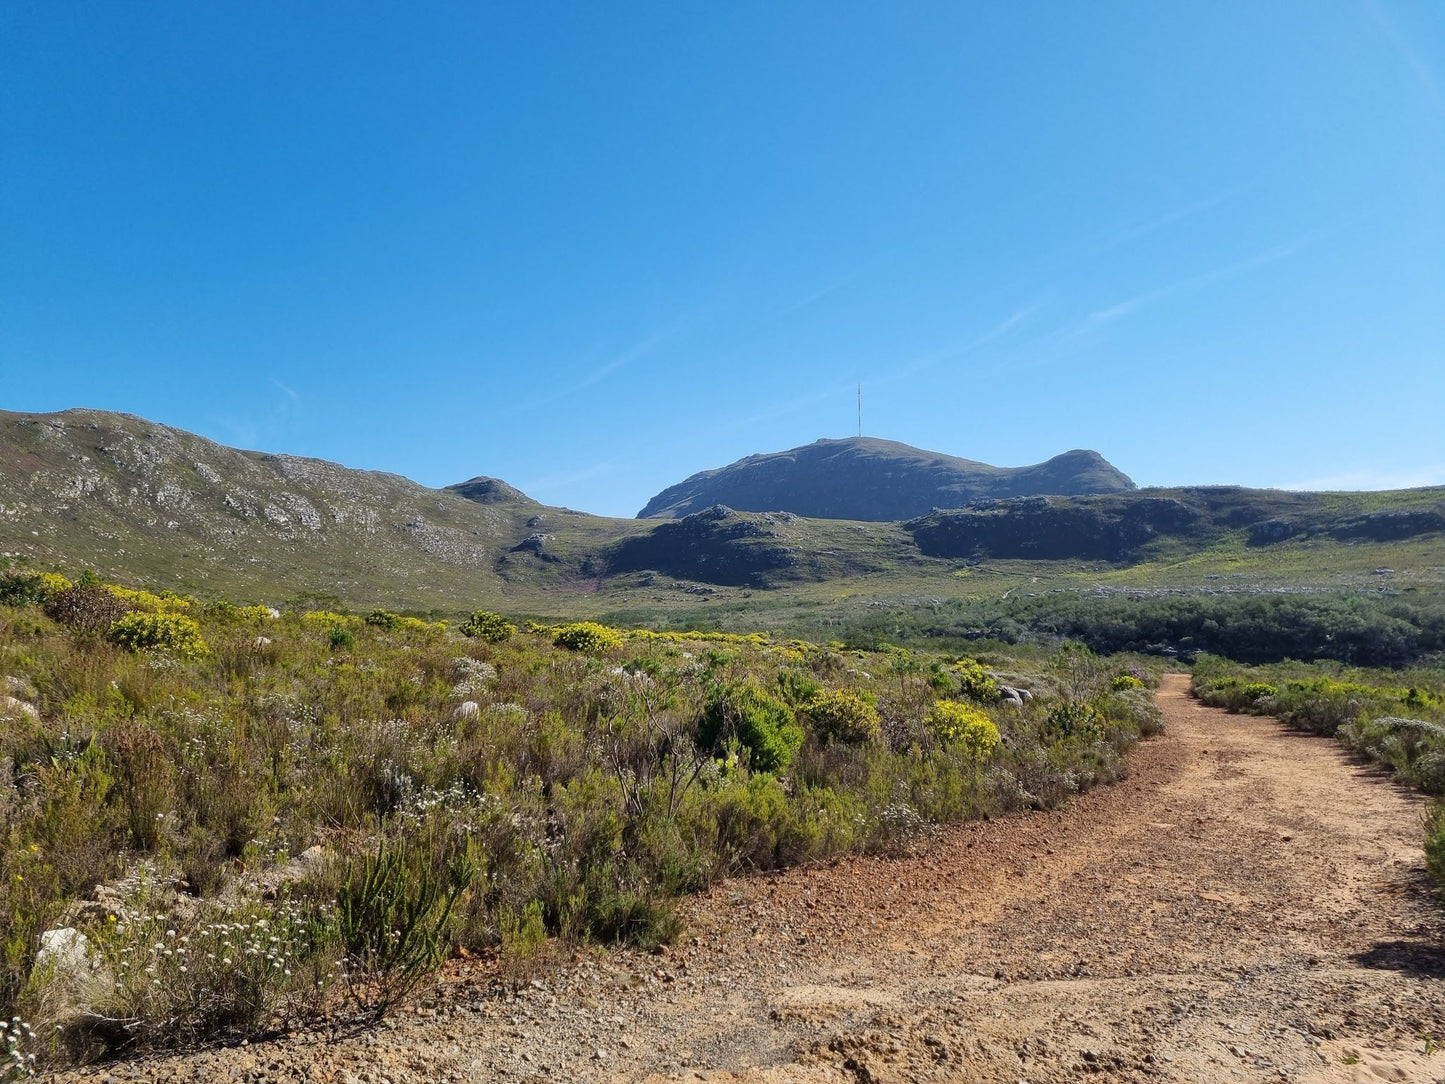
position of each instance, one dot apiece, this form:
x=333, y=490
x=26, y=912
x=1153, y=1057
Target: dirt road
x=1247, y=905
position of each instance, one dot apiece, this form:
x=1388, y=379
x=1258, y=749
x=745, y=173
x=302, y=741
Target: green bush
x=1126, y=681
x=588, y=637
x=844, y=717
x=171, y=632
x=1075, y=720
x=339, y=637
x=22, y=589
x=1133, y=709
x=762, y=725
x=384, y=619
x=798, y=686
x=524, y=940
x=393, y=913
x=490, y=627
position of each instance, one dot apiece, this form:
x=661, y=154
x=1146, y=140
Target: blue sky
x=593, y=248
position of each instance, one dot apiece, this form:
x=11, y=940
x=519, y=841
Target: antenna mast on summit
x=860, y=410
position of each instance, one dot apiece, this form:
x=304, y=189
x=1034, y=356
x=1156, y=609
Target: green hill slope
x=138, y=500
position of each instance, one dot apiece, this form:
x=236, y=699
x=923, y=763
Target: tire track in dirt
x=1248, y=904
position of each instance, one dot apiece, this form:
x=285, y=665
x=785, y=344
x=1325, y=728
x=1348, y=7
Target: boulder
x=11, y=707
x=73, y=978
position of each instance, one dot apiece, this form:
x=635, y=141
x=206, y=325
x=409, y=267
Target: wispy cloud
x=784, y=408
x=1170, y=218
x=648, y=344
x=633, y=353
x=874, y=376
x=1219, y=274
x=1373, y=478
x=815, y=296
x=1428, y=80
x=254, y=430
x=550, y=482
x=957, y=350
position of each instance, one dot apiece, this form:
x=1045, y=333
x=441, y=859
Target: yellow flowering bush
x=588, y=637
x=964, y=726
x=165, y=602
x=171, y=632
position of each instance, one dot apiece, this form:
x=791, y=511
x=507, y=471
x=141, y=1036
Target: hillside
x=141, y=501
x=864, y=478
x=154, y=506
x=1126, y=528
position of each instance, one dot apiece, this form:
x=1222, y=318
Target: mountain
x=153, y=506
x=864, y=478
x=142, y=501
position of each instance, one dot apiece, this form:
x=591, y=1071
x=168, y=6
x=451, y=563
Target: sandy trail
x=1248, y=905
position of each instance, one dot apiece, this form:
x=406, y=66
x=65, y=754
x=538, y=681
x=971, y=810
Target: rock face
x=486, y=490
x=716, y=545
x=1037, y=528
x=864, y=478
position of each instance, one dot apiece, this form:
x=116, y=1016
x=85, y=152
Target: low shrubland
x=1395, y=718
x=1361, y=628
x=252, y=819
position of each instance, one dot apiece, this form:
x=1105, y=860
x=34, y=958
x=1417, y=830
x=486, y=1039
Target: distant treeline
x=1368, y=630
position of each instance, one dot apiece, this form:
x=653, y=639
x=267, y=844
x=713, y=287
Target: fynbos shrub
x=762, y=725
x=393, y=913
x=1076, y=720
x=953, y=724
x=22, y=589
x=489, y=627
x=89, y=609
x=843, y=717
x=171, y=632
x=588, y=637
x=975, y=683
x=1435, y=844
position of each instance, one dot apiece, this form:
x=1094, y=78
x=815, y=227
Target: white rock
x=73, y=978
x=10, y=706
x=65, y=948
x=467, y=709
x=262, y=641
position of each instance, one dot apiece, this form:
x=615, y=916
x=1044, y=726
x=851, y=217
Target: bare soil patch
x=1248, y=904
